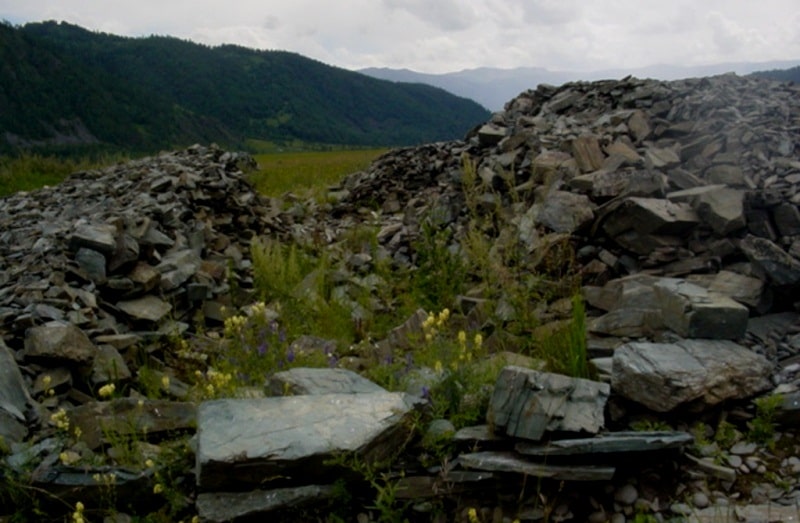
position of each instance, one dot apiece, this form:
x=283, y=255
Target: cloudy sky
x=438, y=36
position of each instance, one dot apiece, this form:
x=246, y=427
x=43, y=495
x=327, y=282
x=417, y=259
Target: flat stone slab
x=244, y=442
x=59, y=342
x=219, y=507
x=511, y=462
x=527, y=403
x=664, y=376
x=614, y=442
x=148, y=308
x=305, y=380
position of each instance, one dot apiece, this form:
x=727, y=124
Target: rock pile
x=681, y=201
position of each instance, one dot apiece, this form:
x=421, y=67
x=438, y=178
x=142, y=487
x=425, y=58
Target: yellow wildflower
x=165, y=382
x=462, y=338
x=478, y=340
x=472, y=514
x=106, y=390
x=158, y=488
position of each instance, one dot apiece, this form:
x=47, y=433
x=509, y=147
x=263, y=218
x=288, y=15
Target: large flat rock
x=245, y=442
x=514, y=463
x=695, y=312
x=703, y=373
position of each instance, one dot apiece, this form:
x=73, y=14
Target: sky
x=439, y=36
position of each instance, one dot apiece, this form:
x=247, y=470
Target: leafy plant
x=762, y=426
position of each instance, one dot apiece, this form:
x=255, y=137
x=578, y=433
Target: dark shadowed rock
x=694, y=312
x=15, y=400
x=59, y=342
x=239, y=506
x=611, y=442
x=514, y=463
x=777, y=264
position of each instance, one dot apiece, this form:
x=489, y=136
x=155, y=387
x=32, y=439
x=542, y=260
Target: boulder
x=695, y=374
x=527, y=404
x=244, y=443
x=695, y=312
x=59, y=342
x=15, y=400
x=310, y=381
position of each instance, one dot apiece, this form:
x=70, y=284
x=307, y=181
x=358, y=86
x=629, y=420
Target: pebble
x=743, y=448
x=734, y=461
x=626, y=495
x=618, y=518
x=700, y=500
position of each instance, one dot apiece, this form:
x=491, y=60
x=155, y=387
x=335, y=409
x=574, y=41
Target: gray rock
x=59, y=342
x=779, y=267
x=491, y=134
x=101, y=238
x=93, y=263
x=703, y=373
x=109, y=365
x=587, y=153
x=528, y=403
x=15, y=400
x=510, y=462
x=563, y=211
x=611, y=442
x=626, y=495
x=236, y=506
x=241, y=442
x=310, y=381
x=744, y=289
x=650, y=216
x=149, y=308
x=694, y=312
x=719, y=206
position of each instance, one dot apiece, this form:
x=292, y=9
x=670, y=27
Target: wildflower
x=46, y=380
x=106, y=390
x=462, y=338
x=443, y=317
x=290, y=355
x=165, y=382
x=437, y=367
x=472, y=514
x=158, y=488
x=67, y=458
x=149, y=463
x=140, y=403
x=60, y=420
x=77, y=432
x=478, y=340
x=77, y=516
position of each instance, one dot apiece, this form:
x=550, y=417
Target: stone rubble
x=680, y=200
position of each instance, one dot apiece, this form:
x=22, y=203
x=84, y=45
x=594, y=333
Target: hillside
x=63, y=85
x=782, y=75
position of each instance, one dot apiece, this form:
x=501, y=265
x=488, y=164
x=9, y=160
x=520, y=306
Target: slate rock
x=15, y=399
x=694, y=312
x=312, y=381
x=690, y=373
x=777, y=264
x=242, y=442
x=497, y=461
x=563, y=211
x=221, y=507
x=101, y=238
x=527, y=404
x=59, y=342
x=650, y=216
x=744, y=289
x=148, y=308
x=609, y=442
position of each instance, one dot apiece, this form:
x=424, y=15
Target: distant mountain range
x=62, y=86
x=493, y=87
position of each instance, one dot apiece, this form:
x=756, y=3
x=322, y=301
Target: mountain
x=62, y=85
x=782, y=75
x=493, y=87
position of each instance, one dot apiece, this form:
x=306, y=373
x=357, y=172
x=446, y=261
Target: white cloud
x=448, y=35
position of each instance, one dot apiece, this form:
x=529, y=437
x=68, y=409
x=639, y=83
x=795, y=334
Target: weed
x=761, y=429
x=564, y=348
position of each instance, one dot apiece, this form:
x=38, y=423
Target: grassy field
x=307, y=173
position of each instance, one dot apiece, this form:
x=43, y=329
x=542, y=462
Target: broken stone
x=611, y=442
x=778, y=265
x=703, y=373
x=241, y=442
x=100, y=238
x=510, y=462
x=527, y=403
x=221, y=507
x=149, y=308
x=59, y=342
x=310, y=381
x=650, y=216
x=693, y=312
x=15, y=399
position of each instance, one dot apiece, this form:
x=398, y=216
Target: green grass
x=33, y=171
x=308, y=173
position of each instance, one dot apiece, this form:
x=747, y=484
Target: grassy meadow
x=307, y=173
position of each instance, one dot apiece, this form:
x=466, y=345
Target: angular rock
x=59, y=342
x=694, y=312
x=719, y=206
x=650, y=216
x=610, y=442
x=777, y=264
x=109, y=366
x=510, y=462
x=101, y=238
x=149, y=308
x=220, y=507
x=242, y=442
x=693, y=373
x=744, y=289
x=587, y=153
x=311, y=381
x=491, y=134
x=787, y=219
x=563, y=211
x=15, y=400
x=528, y=403
x=93, y=263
